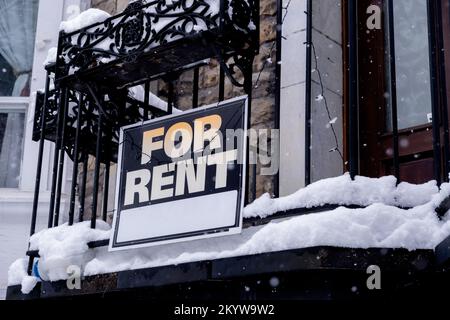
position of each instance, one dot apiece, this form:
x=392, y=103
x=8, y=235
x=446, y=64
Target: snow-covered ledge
x=344, y=191
x=379, y=225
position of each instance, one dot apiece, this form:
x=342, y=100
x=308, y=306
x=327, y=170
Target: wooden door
x=399, y=64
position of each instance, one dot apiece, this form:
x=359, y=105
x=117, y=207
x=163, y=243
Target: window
x=412, y=64
x=17, y=36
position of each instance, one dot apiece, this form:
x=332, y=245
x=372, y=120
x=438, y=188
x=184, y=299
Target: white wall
x=16, y=204
x=292, y=108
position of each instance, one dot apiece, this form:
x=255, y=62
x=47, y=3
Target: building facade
x=354, y=86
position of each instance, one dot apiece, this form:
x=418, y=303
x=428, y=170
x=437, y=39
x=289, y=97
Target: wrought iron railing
x=87, y=95
x=184, y=31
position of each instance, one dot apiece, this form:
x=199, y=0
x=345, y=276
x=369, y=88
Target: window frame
x=16, y=104
x=22, y=104
x=50, y=15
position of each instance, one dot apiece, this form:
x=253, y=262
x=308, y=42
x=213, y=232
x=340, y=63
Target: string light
x=272, y=48
x=322, y=94
x=323, y=98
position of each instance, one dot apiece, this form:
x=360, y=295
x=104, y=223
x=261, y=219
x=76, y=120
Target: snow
x=138, y=93
x=28, y=284
x=343, y=190
x=17, y=271
x=93, y=16
x=84, y=19
x=64, y=246
x=14, y=231
x=51, y=56
x=380, y=225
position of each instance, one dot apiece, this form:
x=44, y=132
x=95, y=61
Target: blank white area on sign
x=181, y=216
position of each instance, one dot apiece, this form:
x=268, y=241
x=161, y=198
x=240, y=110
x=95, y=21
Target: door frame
x=371, y=140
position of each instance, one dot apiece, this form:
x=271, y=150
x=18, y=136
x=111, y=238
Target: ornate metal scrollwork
x=231, y=27
x=135, y=31
x=241, y=13
x=51, y=112
x=142, y=27
x=119, y=109
x=239, y=69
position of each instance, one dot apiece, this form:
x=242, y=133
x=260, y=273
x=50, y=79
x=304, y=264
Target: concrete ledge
x=317, y=267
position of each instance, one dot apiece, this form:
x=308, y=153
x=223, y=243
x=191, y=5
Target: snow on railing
x=94, y=37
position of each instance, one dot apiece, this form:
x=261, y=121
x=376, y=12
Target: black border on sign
x=188, y=236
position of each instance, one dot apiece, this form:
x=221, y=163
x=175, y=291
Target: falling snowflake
x=274, y=282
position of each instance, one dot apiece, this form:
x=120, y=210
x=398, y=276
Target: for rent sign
x=181, y=177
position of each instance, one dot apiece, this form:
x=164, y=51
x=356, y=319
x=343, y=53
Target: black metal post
x=195, y=87
x=106, y=181
x=353, y=138
x=96, y=171
x=83, y=186
x=442, y=88
x=60, y=118
x=250, y=193
x=223, y=8
x=61, y=160
x=171, y=97
x=437, y=154
x=73, y=188
x=39, y=167
x=221, y=83
x=105, y=191
x=40, y=156
x=276, y=180
x=146, y=98
x=308, y=93
x=393, y=90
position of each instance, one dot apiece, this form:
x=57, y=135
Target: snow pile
x=17, y=274
x=66, y=245
x=28, y=284
x=83, y=20
x=51, y=56
x=138, y=93
x=342, y=191
x=380, y=225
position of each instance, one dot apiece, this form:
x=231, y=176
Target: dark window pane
x=7, y=78
x=11, y=144
x=412, y=64
x=17, y=36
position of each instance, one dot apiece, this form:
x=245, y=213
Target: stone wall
x=263, y=103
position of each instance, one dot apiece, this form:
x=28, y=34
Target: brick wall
x=263, y=103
